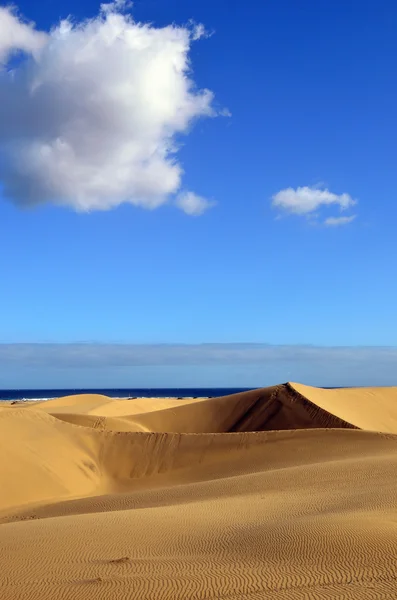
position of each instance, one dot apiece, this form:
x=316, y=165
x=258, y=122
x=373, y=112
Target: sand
x=288, y=492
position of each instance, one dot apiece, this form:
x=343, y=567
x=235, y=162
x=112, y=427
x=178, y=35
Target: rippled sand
x=287, y=492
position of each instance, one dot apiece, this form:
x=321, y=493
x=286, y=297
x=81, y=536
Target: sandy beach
x=283, y=493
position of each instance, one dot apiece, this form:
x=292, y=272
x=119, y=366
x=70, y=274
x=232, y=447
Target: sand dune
x=374, y=409
x=286, y=492
x=278, y=407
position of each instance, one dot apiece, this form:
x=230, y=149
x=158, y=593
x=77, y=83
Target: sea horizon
x=129, y=392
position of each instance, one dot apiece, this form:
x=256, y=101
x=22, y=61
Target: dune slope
x=287, y=406
x=275, y=493
x=374, y=409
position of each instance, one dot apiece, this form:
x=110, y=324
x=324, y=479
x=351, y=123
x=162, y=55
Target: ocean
x=121, y=393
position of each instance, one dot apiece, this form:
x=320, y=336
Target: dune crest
x=287, y=492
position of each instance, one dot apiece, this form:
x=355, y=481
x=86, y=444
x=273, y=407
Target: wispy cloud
x=306, y=201
x=132, y=355
x=338, y=221
x=90, y=113
x=116, y=6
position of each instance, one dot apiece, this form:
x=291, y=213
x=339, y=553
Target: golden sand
x=282, y=493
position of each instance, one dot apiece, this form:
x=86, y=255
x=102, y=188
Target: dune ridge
x=285, y=492
x=278, y=407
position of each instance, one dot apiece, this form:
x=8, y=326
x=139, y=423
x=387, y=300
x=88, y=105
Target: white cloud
x=90, y=119
x=199, y=31
x=116, y=6
x=16, y=35
x=306, y=200
x=338, y=221
x=192, y=204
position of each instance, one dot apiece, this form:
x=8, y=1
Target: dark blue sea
x=121, y=393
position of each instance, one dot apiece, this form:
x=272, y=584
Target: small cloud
x=338, y=221
x=116, y=6
x=306, y=200
x=192, y=204
x=198, y=31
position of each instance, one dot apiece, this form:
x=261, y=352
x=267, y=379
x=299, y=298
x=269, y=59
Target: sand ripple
x=284, y=493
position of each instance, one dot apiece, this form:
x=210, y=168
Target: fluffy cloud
x=92, y=112
x=338, y=221
x=16, y=35
x=192, y=204
x=307, y=200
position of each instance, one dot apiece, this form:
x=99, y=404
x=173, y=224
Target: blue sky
x=310, y=90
